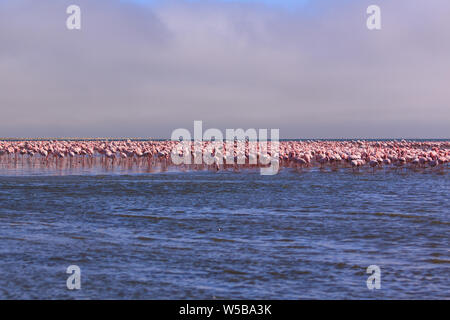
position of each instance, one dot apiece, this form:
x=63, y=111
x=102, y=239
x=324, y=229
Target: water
x=204, y=235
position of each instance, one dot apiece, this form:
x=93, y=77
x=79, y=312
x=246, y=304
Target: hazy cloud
x=138, y=70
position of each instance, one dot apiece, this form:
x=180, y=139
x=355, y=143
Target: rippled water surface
x=207, y=235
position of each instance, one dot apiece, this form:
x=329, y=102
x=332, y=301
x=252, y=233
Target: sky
x=143, y=68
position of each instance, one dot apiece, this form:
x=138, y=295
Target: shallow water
x=204, y=235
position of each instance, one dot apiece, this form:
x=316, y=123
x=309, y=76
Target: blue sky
x=280, y=3
x=312, y=72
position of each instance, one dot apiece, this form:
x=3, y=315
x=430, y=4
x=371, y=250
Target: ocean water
x=225, y=235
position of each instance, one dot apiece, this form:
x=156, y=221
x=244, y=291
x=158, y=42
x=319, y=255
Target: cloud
x=137, y=70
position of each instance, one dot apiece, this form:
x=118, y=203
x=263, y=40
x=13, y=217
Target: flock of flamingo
x=243, y=154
